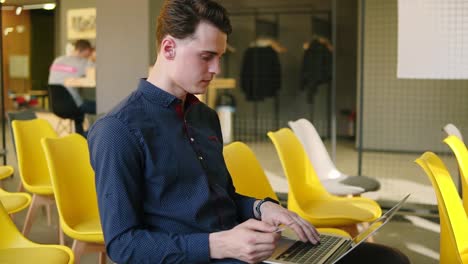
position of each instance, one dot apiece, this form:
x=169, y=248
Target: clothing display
x=260, y=73
x=316, y=68
x=161, y=180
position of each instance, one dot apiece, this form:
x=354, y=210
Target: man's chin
x=199, y=90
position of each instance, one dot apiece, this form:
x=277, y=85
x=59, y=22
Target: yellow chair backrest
x=8, y=230
x=247, y=174
x=453, y=219
x=72, y=179
x=28, y=251
x=298, y=169
x=31, y=160
x=461, y=153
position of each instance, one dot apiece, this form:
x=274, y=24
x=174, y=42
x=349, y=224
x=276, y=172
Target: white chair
x=334, y=181
x=452, y=130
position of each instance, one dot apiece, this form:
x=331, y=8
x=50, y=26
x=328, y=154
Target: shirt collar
x=158, y=95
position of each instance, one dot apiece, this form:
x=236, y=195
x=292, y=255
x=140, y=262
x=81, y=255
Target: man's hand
x=275, y=215
x=251, y=241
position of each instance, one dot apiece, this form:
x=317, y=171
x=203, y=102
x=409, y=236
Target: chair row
x=309, y=198
x=57, y=171
x=307, y=195
x=452, y=210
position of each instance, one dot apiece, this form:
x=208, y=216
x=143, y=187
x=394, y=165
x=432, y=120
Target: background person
x=74, y=66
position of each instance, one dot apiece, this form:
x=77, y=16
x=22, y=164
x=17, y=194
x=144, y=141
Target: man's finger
x=309, y=230
x=259, y=226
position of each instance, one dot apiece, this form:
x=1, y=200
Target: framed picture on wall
x=81, y=23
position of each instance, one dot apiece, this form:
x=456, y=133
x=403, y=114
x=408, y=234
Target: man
x=164, y=192
x=75, y=65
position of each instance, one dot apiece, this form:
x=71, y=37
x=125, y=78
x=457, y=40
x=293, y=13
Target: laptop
x=331, y=248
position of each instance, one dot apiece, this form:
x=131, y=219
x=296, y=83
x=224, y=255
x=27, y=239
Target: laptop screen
x=376, y=224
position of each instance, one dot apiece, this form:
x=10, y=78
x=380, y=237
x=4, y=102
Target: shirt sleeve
x=118, y=161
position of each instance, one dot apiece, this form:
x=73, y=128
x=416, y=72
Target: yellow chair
x=13, y=202
x=5, y=172
x=32, y=166
x=461, y=153
x=249, y=177
x=453, y=219
x=247, y=174
x=15, y=248
x=73, y=178
x=308, y=197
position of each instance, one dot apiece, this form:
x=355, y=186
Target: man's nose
x=215, y=67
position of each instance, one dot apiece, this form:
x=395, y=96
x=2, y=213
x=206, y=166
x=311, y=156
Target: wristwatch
x=259, y=204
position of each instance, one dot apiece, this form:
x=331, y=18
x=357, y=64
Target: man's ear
x=168, y=46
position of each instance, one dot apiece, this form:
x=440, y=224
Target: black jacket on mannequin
x=260, y=73
x=316, y=68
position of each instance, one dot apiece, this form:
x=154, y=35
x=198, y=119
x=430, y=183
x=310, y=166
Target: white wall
x=123, y=49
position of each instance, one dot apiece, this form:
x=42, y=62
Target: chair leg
x=61, y=235
x=49, y=217
x=37, y=201
x=78, y=249
x=20, y=187
x=31, y=215
x=102, y=258
x=364, y=226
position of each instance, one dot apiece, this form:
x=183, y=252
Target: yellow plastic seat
x=15, y=248
x=73, y=178
x=6, y=171
x=32, y=166
x=461, y=153
x=14, y=202
x=249, y=177
x=308, y=197
x=453, y=219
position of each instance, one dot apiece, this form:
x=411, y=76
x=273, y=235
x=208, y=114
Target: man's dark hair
x=82, y=44
x=180, y=18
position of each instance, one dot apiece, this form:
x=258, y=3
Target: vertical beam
x=361, y=82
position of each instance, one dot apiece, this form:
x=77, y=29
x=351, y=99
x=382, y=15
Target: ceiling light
x=49, y=6
x=18, y=10
x=2, y=1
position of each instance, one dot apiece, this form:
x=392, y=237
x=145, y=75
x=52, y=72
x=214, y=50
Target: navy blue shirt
x=161, y=180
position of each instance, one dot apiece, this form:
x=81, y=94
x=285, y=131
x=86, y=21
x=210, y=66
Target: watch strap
x=259, y=204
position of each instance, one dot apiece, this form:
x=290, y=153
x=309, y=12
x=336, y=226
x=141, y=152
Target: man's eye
x=206, y=57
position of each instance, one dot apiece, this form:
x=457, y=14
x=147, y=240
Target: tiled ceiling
x=315, y=4
x=27, y=2
x=229, y=4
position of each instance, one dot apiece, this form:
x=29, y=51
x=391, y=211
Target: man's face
x=86, y=53
x=197, y=58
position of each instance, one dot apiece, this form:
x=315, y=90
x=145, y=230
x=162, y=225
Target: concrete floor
x=416, y=236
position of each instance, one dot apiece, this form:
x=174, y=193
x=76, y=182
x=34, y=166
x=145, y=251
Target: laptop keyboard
x=301, y=252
